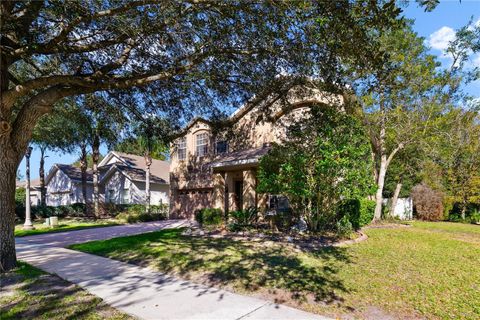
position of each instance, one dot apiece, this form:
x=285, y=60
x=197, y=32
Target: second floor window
x=182, y=149
x=202, y=144
x=221, y=147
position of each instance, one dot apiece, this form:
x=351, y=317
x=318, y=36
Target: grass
x=428, y=270
x=63, y=225
x=29, y=293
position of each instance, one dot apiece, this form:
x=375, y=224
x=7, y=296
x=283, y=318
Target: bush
x=427, y=203
x=475, y=217
x=243, y=219
x=471, y=212
x=209, y=216
x=20, y=203
x=136, y=213
x=360, y=212
x=344, y=227
x=43, y=211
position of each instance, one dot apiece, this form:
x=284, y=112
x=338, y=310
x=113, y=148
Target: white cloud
x=441, y=38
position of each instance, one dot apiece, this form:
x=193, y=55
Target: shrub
x=475, y=217
x=360, y=212
x=344, y=227
x=20, y=203
x=136, y=213
x=209, y=216
x=428, y=203
x=43, y=211
x=243, y=219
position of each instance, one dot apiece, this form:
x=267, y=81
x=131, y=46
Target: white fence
x=403, y=209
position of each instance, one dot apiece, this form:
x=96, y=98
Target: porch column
x=232, y=206
x=219, y=190
x=249, y=185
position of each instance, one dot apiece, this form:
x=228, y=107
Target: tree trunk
x=395, y=198
x=463, y=212
x=95, y=157
x=148, y=163
x=383, y=168
x=43, y=190
x=8, y=172
x=83, y=168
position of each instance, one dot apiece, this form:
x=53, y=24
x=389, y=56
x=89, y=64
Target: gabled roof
x=34, y=183
x=72, y=172
x=134, y=167
x=134, y=174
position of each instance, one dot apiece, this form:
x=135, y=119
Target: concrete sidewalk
x=142, y=292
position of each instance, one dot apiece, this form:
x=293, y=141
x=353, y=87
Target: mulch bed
x=300, y=241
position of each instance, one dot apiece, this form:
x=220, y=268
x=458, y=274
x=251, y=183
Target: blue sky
x=437, y=27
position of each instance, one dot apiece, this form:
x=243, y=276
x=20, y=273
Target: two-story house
x=217, y=168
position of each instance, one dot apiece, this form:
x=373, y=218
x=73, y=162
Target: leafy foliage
x=359, y=211
x=136, y=213
x=428, y=203
x=209, y=216
x=242, y=219
x=325, y=157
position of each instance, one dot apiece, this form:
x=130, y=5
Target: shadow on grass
x=32, y=294
x=245, y=265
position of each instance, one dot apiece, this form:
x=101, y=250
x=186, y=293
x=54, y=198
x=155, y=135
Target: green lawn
x=429, y=270
x=29, y=293
x=63, y=225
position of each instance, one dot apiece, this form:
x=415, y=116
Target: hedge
x=360, y=212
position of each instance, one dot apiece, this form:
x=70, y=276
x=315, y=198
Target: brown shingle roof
x=74, y=173
x=160, y=170
x=240, y=157
x=138, y=174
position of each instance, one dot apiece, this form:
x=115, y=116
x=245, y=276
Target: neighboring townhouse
x=64, y=185
x=35, y=194
x=124, y=177
x=218, y=168
x=121, y=181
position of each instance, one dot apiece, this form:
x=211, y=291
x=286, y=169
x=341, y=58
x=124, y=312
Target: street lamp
x=28, y=220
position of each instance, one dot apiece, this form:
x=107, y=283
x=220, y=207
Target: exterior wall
x=158, y=193
x=59, y=190
x=118, y=182
x=35, y=197
x=114, y=188
x=78, y=195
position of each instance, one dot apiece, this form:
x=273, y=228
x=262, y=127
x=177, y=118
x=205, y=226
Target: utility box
x=53, y=221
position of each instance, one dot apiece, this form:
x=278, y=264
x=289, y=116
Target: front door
x=239, y=194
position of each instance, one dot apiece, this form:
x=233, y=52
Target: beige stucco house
x=217, y=168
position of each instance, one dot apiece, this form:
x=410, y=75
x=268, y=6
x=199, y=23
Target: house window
x=202, y=144
x=125, y=196
x=221, y=147
x=182, y=149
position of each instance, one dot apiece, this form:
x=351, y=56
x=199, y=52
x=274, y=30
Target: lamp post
x=28, y=220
